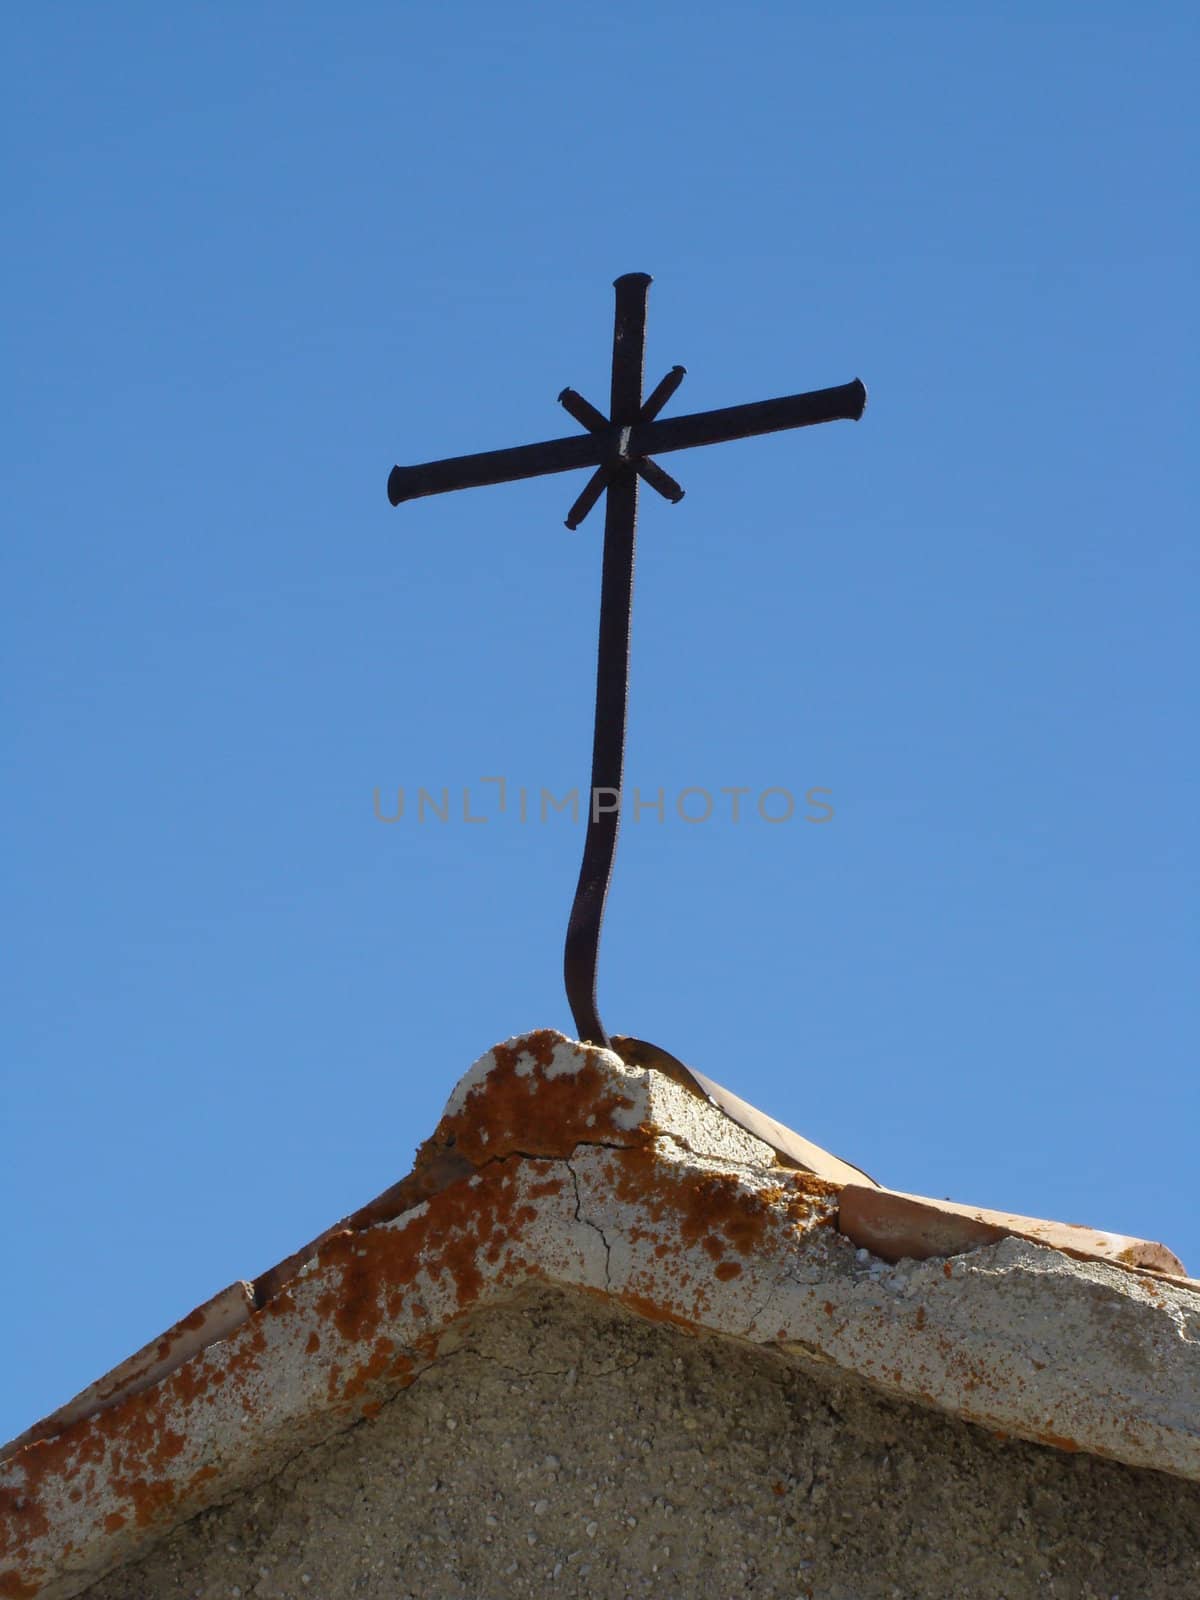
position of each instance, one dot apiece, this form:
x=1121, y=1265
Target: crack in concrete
x=761, y=1311
x=573, y=1371
x=492, y=1361
x=724, y=1163
x=595, y=1226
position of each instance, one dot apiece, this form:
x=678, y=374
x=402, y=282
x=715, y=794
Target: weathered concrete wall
x=561, y=1166
x=564, y=1447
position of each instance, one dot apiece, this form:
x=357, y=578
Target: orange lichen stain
x=807, y=1199
x=828, y=1308
x=250, y=1341
x=384, y=1361
x=970, y=1376
x=371, y=1410
x=14, y=1587
x=127, y=1449
x=540, y=1044
x=23, y=1518
x=133, y=1443
x=525, y=1112
x=496, y=1246
x=169, y=1446
x=919, y=1319
x=458, y=1229
x=194, y=1319
x=778, y=1488
x=149, y=1500
x=191, y=1380
x=651, y=1310
x=1061, y=1443
x=114, y=1522
x=367, y=1275
x=545, y=1188
x=713, y=1207
x=947, y=1269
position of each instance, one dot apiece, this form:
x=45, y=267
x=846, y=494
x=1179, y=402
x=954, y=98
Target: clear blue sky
x=259, y=253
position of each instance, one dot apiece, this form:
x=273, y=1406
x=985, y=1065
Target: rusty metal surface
x=619, y=447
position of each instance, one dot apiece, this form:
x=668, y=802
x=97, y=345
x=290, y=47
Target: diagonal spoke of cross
x=619, y=447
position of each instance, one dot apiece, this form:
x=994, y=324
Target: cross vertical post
x=619, y=448
x=582, y=954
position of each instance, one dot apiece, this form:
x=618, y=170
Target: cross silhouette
x=620, y=448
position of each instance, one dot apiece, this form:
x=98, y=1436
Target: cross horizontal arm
x=844, y=403
x=498, y=466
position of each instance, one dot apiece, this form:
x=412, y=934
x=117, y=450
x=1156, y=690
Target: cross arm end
x=396, y=486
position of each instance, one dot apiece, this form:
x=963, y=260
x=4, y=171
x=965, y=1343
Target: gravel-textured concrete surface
x=563, y=1447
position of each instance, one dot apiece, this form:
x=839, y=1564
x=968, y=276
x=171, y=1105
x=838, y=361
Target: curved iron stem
x=582, y=953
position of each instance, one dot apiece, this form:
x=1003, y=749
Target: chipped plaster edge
x=209, y=1323
x=737, y=1245
x=648, y=1101
x=673, y=1237
x=641, y=1102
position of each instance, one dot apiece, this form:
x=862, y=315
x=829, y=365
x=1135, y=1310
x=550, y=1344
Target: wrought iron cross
x=619, y=447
